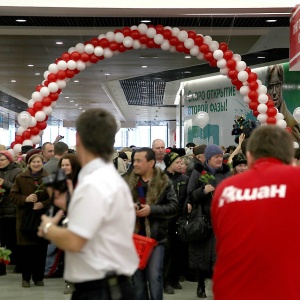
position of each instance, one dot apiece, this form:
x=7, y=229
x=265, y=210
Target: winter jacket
x=7, y=206
x=162, y=200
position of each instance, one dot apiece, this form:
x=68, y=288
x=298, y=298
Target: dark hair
x=297, y=153
x=97, y=129
x=230, y=148
x=271, y=141
x=150, y=154
x=60, y=148
x=45, y=144
x=74, y=164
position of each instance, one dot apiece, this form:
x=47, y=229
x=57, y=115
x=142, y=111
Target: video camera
x=58, y=181
x=241, y=125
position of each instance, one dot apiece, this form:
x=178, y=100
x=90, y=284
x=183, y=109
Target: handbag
x=31, y=222
x=194, y=228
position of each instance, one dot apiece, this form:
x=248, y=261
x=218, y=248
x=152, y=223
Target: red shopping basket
x=144, y=247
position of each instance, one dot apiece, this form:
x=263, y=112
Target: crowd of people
x=87, y=225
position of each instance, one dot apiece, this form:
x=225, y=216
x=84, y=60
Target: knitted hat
x=238, y=160
x=31, y=154
x=199, y=149
x=7, y=155
x=169, y=158
x=212, y=150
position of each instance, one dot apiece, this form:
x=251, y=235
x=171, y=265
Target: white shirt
x=102, y=211
x=160, y=164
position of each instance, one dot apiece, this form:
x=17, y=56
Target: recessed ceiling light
x=67, y=97
x=144, y=66
x=76, y=80
x=21, y=20
x=187, y=56
x=59, y=43
x=145, y=21
x=260, y=57
x=80, y=107
x=107, y=74
x=30, y=65
x=13, y=80
x=37, y=74
x=71, y=100
x=187, y=72
x=271, y=21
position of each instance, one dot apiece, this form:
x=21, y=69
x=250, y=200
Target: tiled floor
x=10, y=289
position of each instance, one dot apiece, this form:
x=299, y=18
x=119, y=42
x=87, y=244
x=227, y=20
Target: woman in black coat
x=202, y=183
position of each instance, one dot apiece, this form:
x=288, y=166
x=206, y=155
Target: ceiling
x=131, y=92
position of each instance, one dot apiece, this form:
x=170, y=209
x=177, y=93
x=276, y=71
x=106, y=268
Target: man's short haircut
x=60, y=148
x=97, y=129
x=156, y=140
x=150, y=154
x=45, y=144
x=271, y=141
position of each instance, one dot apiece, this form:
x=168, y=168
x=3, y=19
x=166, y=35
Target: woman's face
x=241, y=168
x=36, y=165
x=66, y=166
x=4, y=161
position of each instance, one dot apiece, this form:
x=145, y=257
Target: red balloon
x=198, y=40
x=167, y=33
x=248, y=70
x=61, y=75
x=117, y=30
x=66, y=56
x=46, y=118
x=232, y=74
x=150, y=43
x=38, y=106
x=228, y=54
x=76, y=72
x=223, y=46
x=104, y=43
x=208, y=56
x=34, y=130
x=272, y=112
x=191, y=34
x=126, y=31
x=26, y=135
x=236, y=82
x=122, y=48
x=94, y=42
x=255, y=113
x=53, y=96
x=186, y=51
x=253, y=105
x=253, y=85
x=231, y=64
x=253, y=95
x=57, y=60
x=31, y=111
x=113, y=46
x=252, y=77
x=93, y=58
x=38, y=88
x=271, y=120
x=85, y=57
x=46, y=83
x=41, y=125
x=46, y=101
x=143, y=39
x=75, y=55
x=173, y=41
x=52, y=77
x=70, y=73
x=238, y=87
x=159, y=29
x=135, y=34
x=12, y=145
x=270, y=103
x=19, y=139
x=204, y=48
x=180, y=47
x=213, y=63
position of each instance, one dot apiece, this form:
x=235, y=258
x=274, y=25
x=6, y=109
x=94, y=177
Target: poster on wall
x=224, y=104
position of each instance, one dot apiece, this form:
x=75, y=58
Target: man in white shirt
x=159, y=148
x=100, y=253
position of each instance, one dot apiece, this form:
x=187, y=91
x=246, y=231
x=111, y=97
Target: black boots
x=201, y=290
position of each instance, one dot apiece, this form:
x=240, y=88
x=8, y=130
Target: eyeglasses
x=3, y=159
x=274, y=85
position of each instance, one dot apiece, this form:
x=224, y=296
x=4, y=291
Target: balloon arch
x=34, y=120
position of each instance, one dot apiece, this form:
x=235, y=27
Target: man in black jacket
x=156, y=201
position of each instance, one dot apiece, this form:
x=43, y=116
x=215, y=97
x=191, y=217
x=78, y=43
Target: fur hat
x=7, y=155
x=199, y=149
x=212, y=150
x=238, y=160
x=169, y=158
x=31, y=154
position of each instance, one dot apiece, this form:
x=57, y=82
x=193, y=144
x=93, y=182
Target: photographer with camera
x=100, y=255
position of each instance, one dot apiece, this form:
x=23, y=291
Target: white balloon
x=71, y=64
x=36, y=139
x=33, y=122
x=101, y=36
x=128, y=41
x=262, y=108
x=173, y=49
x=27, y=143
x=30, y=103
x=182, y=35
x=133, y=27
x=237, y=57
x=158, y=39
x=24, y=119
x=47, y=110
x=41, y=132
x=53, y=104
x=12, y=152
x=175, y=31
x=44, y=91
x=213, y=46
x=80, y=65
x=20, y=130
x=262, y=98
x=136, y=44
x=200, y=56
x=98, y=51
x=71, y=50
x=107, y=53
x=243, y=76
x=62, y=65
x=247, y=99
x=119, y=37
x=53, y=68
x=46, y=73
x=151, y=32
x=110, y=36
x=296, y=114
x=241, y=66
x=80, y=47
x=279, y=116
x=53, y=87
x=244, y=90
x=281, y=124
x=194, y=51
x=17, y=148
x=207, y=40
x=61, y=84
x=89, y=48
x=296, y=145
x=218, y=54
x=202, y=119
x=262, y=118
x=189, y=43
x=221, y=63
x=224, y=71
x=142, y=28
x=165, y=45
x=36, y=96
x=40, y=116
